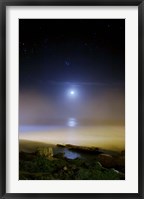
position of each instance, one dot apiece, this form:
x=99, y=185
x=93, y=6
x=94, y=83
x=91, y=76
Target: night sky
x=79, y=50
x=71, y=70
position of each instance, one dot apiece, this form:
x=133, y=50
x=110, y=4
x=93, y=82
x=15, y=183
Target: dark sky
x=71, y=50
x=87, y=55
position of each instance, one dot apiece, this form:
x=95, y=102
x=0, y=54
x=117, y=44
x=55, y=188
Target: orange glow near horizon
x=108, y=137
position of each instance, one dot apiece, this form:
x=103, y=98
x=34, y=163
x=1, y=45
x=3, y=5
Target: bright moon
x=72, y=92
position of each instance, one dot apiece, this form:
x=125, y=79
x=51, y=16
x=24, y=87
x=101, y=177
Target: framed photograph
x=71, y=99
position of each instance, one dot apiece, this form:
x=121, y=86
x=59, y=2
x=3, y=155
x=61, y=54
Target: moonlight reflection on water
x=72, y=122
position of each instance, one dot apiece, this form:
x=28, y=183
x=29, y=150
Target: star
x=67, y=63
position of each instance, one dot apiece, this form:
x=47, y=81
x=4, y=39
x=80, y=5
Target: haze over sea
x=107, y=136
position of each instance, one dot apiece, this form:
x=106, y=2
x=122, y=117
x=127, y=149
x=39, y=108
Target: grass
x=33, y=166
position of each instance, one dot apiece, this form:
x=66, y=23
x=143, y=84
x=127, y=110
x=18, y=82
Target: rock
x=83, y=149
x=105, y=156
x=65, y=168
x=60, y=145
x=106, y=160
x=45, y=151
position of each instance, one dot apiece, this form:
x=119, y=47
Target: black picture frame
x=3, y=182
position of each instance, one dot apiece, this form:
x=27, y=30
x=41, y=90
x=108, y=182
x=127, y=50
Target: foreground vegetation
x=39, y=165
